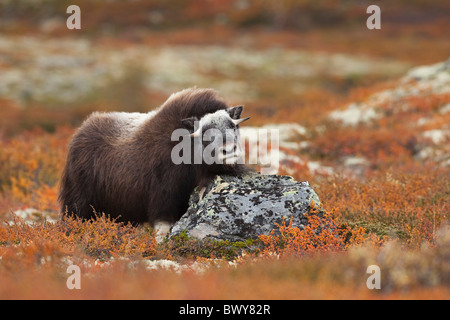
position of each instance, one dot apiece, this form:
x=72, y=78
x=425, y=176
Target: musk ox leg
x=161, y=228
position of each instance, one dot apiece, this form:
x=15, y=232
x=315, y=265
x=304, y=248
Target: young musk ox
x=120, y=163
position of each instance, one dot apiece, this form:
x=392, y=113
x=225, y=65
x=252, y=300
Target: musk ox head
x=215, y=137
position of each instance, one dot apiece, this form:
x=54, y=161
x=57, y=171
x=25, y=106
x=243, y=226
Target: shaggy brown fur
x=125, y=170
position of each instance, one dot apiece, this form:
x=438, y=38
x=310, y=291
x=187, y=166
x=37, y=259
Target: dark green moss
x=183, y=246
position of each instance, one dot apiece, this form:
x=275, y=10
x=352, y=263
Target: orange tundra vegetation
x=394, y=218
x=394, y=215
x=392, y=212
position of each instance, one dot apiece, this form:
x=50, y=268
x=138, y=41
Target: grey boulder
x=243, y=207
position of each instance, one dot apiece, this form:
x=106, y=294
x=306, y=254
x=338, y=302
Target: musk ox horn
x=238, y=121
x=196, y=133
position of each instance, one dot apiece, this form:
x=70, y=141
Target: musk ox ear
x=189, y=123
x=192, y=124
x=235, y=112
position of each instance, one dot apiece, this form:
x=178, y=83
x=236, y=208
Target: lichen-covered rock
x=238, y=208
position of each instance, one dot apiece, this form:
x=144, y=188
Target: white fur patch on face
x=218, y=119
x=228, y=147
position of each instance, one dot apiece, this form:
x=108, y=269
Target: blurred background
x=287, y=60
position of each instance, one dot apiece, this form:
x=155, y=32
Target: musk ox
x=121, y=163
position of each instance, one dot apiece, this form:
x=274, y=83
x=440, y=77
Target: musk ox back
x=122, y=163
